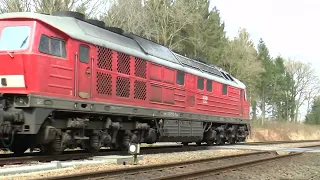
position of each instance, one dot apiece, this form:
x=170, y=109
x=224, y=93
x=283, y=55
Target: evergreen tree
x=313, y=117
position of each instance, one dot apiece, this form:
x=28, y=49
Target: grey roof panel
x=97, y=32
x=199, y=65
x=154, y=49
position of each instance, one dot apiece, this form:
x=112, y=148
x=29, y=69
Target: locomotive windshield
x=14, y=38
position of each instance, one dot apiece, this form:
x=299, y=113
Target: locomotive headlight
x=21, y=100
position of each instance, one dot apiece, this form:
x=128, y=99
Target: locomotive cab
x=15, y=38
x=32, y=56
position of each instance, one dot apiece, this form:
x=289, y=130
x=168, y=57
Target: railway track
x=179, y=170
x=33, y=158
x=279, y=142
x=79, y=154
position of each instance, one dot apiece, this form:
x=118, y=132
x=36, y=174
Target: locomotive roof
x=134, y=45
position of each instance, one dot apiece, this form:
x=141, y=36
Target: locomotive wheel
x=18, y=148
x=94, y=144
x=210, y=142
x=53, y=148
x=231, y=140
x=125, y=144
x=220, y=141
x=20, y=145
x=185, y=143
x=198, y=143
x=123, y=141
x=57, y=146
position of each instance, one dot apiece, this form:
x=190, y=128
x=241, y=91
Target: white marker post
x=134, y=149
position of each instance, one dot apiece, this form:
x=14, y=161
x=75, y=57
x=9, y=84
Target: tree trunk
x=296, y=115
x=254, y=109
x=263, y=107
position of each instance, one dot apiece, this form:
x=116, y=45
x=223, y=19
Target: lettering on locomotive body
x=115, y=108
x=205, y=99
x=172, y=114
x=40, y=101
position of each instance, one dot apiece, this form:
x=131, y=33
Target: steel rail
x=279, y=142
x=204, y=172
x=102, y=173
x=79, y=154
x=28, y=154
x=144, y=168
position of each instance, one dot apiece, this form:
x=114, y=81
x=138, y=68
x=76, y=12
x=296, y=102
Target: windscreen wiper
x=24, y=41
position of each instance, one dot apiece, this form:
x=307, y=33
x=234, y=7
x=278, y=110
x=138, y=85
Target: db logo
x=205, y=99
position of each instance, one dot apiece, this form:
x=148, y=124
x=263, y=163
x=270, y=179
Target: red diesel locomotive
x=67, y=82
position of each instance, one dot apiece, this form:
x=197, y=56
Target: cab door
x=241, y=102
x=84, y=71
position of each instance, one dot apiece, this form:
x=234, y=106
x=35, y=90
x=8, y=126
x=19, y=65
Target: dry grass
x=284, y=131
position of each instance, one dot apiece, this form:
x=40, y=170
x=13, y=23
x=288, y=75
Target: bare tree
x=126, y=14
x=90, y=8
x=169, y=19
x=312, y=92
x=87, y=7
x=159, y=20
x=15, y=6
x=50, y=6
x=306, y=85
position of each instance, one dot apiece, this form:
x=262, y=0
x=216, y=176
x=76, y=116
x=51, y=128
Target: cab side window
x=53, y=46
x=200, y=83
x=44, y=45
x=209, y=85
x=180, y=78
x=224, y=89
x=84, y=54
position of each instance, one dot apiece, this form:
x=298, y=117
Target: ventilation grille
x=117, y=83
x=140, y=68
x=140, y=90
x=123, y=64
x=104, y=58
x=104, y=83
x=123, y=87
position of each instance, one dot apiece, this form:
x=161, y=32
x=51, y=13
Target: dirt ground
x=284, y=132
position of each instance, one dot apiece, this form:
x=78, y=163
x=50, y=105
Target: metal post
x=135, y=159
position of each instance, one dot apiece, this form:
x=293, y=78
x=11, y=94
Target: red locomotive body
x=68, y=82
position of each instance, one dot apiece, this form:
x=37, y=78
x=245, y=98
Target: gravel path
x=304, y=167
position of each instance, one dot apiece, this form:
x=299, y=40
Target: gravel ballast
x=305, y=166
x=149, y=159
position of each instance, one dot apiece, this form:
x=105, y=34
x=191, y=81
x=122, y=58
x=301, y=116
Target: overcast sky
x=289, y=27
